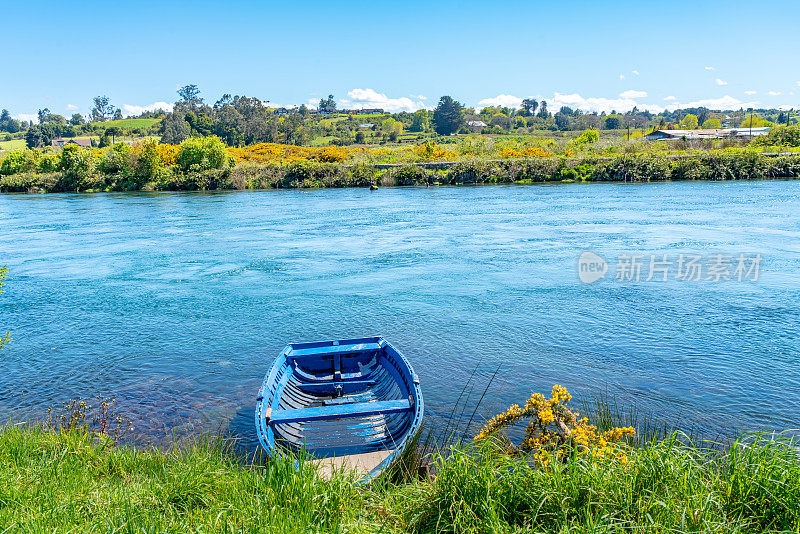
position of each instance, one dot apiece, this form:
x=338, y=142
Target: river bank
x=300, y=174
x=74, y=480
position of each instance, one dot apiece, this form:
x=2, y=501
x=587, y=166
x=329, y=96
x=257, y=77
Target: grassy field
x=126, y=124
x=76, y=481
x=14, y=144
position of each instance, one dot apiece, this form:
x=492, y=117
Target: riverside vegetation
x=610, y=470
x=206, y=163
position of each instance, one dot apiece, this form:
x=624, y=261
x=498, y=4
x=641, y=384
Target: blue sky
x=401, y=55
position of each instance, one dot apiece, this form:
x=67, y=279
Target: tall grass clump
x=664, y=481
x=59, y=481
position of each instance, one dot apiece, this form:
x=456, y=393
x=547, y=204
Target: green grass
x=14, y=144
x=72, y=482
x=60, y=482
x=131, y=123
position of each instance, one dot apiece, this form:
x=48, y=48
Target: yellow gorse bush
x=433, y=152
x=553, y=430
x=278, y=153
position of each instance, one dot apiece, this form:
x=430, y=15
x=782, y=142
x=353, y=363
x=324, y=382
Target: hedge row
x=309, y=174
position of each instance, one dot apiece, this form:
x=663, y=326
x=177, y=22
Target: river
x=176, y=303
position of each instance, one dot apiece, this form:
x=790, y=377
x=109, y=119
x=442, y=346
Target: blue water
x=176, y=303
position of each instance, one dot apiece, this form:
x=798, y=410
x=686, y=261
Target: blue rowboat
x=351, y=403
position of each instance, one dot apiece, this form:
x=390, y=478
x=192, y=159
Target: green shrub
x=116, y=160
x=79, y=167
x=48, y=162
x=780, y=135
x=203, y=153
x=18, y=161
x=588, y=137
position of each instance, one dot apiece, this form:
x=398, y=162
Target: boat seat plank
x=333, y=350
x=347, y=387
x=321, y=413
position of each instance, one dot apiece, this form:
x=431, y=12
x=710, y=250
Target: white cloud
x=598, y=104
x=709, y=68
x=130, y=109
x=621, y=76
x=507, y=101
x=721, y=82
x=773, y=93
x=751, y=92
x=27, y=117
x=798, y=84
x=725, y=102
x=369, y=98
x=419, y=97
x=632, y=93
x=635, y=72
x=71, y=107
x=626, y=101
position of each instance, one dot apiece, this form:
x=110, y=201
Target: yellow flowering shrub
x=332, y=154
x=168, y=153
x=554, y=430
x=432, y=152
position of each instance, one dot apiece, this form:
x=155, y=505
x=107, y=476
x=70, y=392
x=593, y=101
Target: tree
x=102, y=110
x=174, y=129
x=543, y=113
x=392, y=128
x=118, y=115
x=360, y=138
x=530, y=105
x=7, y=124
x=712, y=124
x=448, y=117
x=420, y=121
x=327, y=105
x=76, y=119
x=190, y=95
x=562, y=121
x=39, y=135
x=114, y=132
x=43, y=114
x=689, y=122
x=613, y=122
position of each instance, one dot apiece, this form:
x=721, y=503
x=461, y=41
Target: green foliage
x=79, y=167
x=780, y=136
x=48, y=162
x=613, y=122
x=689, y=122
x=149, y=164
x=198, y=154
x=448, y=117
x=18, y=161
x=712, y=124
x=588, y=137
x=116, y=160
x=668, y=485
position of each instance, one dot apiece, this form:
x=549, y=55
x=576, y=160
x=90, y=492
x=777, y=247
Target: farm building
x=476, y=125
x=86, y=143
x=715, y=133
